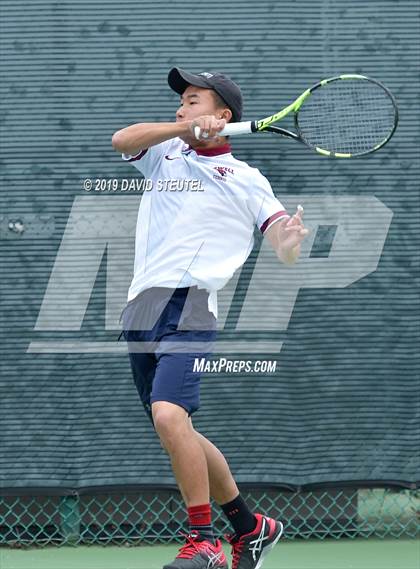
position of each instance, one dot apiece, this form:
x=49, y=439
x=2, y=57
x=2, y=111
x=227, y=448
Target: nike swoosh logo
x=171, y=158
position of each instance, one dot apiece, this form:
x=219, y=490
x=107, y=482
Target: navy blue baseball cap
x=228, y=90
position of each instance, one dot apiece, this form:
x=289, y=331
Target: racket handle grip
x=237, y=128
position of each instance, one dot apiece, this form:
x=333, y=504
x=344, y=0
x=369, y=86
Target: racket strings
x=347, y=116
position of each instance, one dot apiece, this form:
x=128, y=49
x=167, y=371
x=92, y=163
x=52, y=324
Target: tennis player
x=194, y=230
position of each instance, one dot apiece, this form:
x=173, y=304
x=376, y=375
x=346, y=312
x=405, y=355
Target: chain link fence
x=149, y=517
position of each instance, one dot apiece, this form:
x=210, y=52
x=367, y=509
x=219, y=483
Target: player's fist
x=207, y=126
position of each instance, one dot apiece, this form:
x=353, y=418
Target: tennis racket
x=341, y=117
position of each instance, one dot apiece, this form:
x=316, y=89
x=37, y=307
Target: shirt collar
x=224, y=149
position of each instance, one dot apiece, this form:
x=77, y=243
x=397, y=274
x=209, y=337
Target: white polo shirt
x=195, y=226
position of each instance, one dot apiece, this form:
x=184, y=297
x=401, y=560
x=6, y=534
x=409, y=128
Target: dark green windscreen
x=343, y=325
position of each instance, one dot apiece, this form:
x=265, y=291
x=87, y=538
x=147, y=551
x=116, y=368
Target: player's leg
x=223, y=488
x=175, y=395
x=255, y=534
x=187, y=456
x=189, y=465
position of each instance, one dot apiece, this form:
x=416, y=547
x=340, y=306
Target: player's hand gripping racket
x=341, y=117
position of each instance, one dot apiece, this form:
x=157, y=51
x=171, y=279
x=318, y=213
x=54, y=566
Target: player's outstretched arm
x=140, y=136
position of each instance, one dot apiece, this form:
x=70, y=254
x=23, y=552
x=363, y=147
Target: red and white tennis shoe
x=197, y=554
x=250, y=550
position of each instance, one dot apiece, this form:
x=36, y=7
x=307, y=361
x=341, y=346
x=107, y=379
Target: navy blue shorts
x=166, y=331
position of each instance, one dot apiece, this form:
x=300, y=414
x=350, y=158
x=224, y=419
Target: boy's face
x=197, y=102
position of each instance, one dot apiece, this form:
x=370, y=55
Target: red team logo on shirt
x=222, y=173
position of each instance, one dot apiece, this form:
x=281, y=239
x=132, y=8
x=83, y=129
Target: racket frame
x=266, y=124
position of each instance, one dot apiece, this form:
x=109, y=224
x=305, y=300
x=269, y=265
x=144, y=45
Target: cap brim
x=179, y=80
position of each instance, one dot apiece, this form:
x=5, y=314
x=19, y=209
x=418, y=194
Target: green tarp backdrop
x=342, y=326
